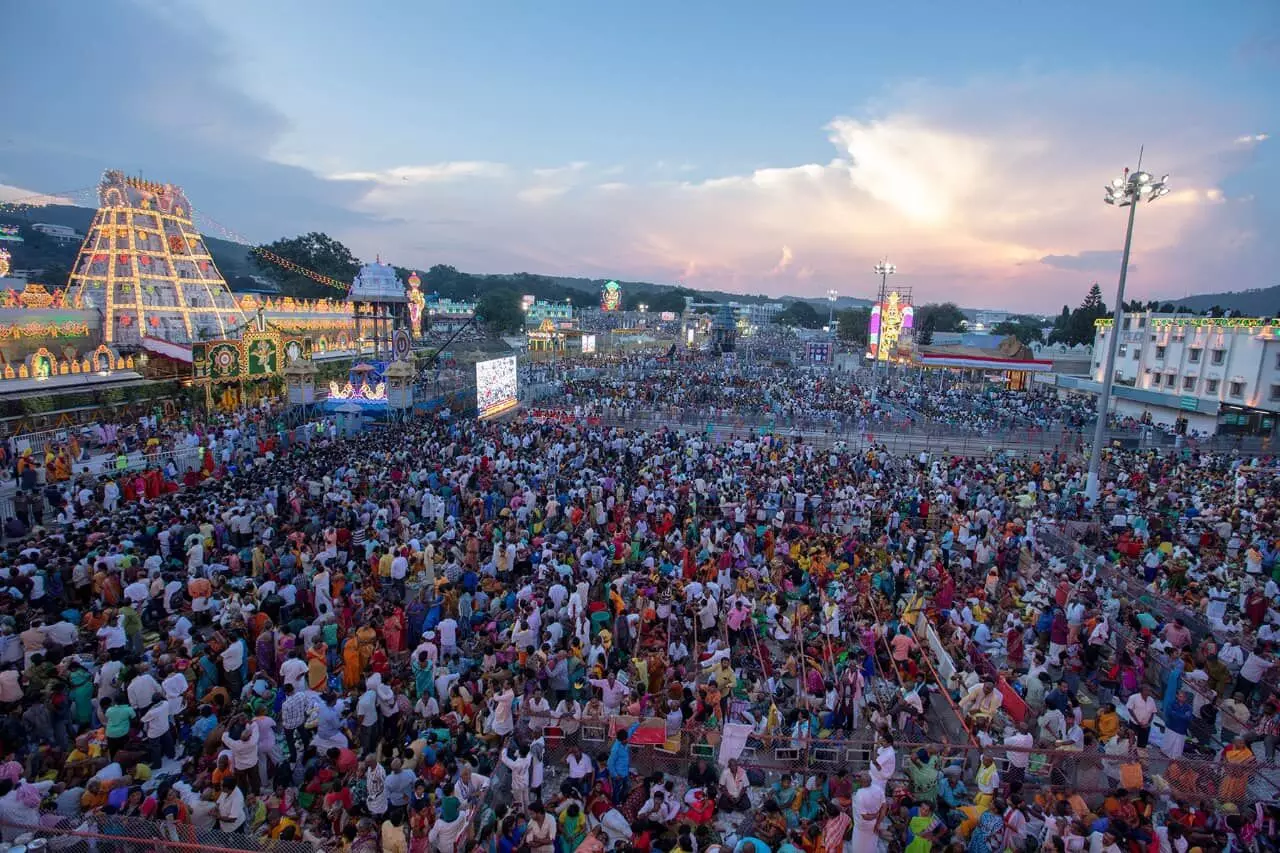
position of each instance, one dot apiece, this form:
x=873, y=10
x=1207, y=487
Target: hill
x=1259, y=302
x=234, y=261
x=56, y=258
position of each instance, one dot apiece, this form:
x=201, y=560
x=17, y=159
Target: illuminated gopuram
x=145, y=267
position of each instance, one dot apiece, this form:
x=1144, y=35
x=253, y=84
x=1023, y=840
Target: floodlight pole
x=1130, y=190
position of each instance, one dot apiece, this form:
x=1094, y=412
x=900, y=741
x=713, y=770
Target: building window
x=1137, y=354
x=1278, y=361
x=1236, y=389
x=1125, y=324
x=1219, y=356
x=1211, y=386
x=1160, y=353
x=1193, y=355
x=1275, y=392
x=1142, y=322
x=1171, y=379
x=1189, y=383
x=1123, y=350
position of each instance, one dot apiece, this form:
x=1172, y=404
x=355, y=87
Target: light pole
x=884, y=269
x=1125, y=191
x=831, y=313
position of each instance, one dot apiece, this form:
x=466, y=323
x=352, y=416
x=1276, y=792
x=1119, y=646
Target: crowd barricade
x=102, y=833
x=1093, y=773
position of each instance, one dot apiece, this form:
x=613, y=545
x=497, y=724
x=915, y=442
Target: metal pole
x=1108, y=375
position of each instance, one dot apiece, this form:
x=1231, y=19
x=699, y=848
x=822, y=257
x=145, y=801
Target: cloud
x=989, y=193
x=1253, y=139
x=784, y=261
x=434, y=173
x=11, y=194
x=1087, y=261
x=986, y=191
x=155, y=108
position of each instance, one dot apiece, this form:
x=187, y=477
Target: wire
x=268, y=255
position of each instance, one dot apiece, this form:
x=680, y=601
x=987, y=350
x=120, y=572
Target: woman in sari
x=367, y=639
x=424, y=674
x=923, y=770
x=925, y=829
x=393, y=632
x=835, y=829
x=81, y=694
x=352, y=665
x=285, y=644
x=988, y=835
x=265, y=649
x=1236, y=760
x=573, y=828
x=317, y=666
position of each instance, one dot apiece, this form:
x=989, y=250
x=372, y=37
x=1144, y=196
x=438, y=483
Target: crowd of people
x=400, y=641
x=805, y=396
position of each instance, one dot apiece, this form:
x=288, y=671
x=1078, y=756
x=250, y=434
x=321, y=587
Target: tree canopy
x=852, y=323
x=499, y=309
x=1077, y=327
x=946, y=316
x=802, y=314
x=317, y=252
x=1022, y=327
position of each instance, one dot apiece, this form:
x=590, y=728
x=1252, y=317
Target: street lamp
x=831, y=313
x=1125, y=191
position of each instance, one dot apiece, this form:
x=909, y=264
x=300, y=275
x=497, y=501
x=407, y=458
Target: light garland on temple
x=300, y=270
x=1199, y=322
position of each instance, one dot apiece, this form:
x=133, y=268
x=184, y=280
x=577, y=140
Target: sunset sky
x=758, y=147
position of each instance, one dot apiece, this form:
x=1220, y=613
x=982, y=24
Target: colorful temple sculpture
x=147, y=269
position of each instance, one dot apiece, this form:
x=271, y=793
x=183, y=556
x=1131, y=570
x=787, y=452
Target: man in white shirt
x=885, y=761
x=868, y=811
x=733, y=788
x=143, y=689
x=659, y=809
x=1142, y=710
x=230, y=808
x=159, y=732
x=581, y=770
x=1018, y=738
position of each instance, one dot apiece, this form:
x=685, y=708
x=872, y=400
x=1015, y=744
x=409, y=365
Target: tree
x=1061, y=327
x=852, y=323
x=947, y=316
x=925, y=336
x=317, y=252
x=1081, y=328
x=802, y=314
x=500, y=310
x=1022, y=327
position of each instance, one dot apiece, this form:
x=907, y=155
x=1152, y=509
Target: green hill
x=234, y=261
x=56, y=258
x=1259, y=302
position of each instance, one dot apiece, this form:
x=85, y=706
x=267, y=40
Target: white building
x=1219, y=374
x=757, y=313
x=61, y=233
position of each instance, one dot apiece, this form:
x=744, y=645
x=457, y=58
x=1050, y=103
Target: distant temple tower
x=380, y=306
x=147, y=269
x=724, y=329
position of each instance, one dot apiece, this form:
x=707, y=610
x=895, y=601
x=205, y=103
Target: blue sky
x=751, y=146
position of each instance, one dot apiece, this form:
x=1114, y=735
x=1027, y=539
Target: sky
x=754, y=147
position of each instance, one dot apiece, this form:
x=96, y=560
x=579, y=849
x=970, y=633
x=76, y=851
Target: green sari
x=918, y=826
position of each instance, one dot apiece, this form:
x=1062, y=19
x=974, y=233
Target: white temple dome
x=377, y=282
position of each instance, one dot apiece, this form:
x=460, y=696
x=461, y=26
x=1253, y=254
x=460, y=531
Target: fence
x=895, y=437
x=100, y=833
x=1091, y=772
